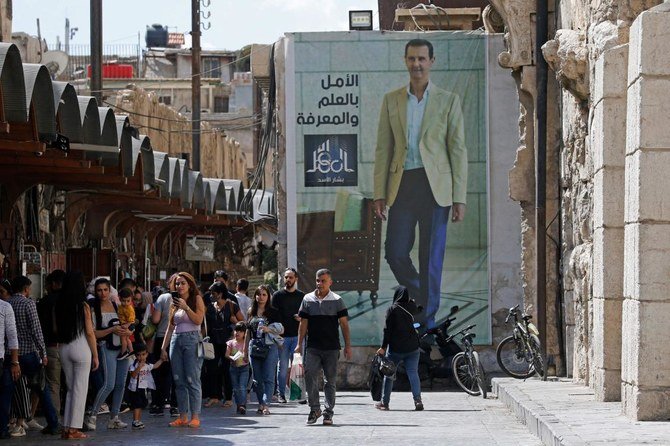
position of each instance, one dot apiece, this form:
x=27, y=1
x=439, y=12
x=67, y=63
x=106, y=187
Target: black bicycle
x=468, y=371
x=520, y=355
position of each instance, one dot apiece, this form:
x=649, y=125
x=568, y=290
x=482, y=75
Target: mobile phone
x=175, y=297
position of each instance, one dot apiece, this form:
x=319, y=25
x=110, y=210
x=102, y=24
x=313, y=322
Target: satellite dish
x=55, y=61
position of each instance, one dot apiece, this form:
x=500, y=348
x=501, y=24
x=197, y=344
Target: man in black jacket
x=401, y=344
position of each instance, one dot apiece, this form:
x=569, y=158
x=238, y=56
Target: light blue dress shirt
x=415, y=110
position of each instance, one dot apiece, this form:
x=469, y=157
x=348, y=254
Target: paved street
x=450, y=418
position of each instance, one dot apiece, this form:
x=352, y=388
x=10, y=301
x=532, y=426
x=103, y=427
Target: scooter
x=433, y=367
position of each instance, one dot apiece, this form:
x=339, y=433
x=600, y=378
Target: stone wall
x=220, y=156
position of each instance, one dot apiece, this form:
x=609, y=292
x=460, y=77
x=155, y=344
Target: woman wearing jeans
x=401, y=344
x=264, y=327
x=183, y=337
x=114, y=371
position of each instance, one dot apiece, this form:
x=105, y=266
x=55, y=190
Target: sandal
x=178, y=423
x=76, y=435
x=260, y=411
x=266, y=411
x=211, y=402
x=228, y=403
x=195, y=423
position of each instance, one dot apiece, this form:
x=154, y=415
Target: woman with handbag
x=401, y=344
x=183, y=337
x=263, y=336
x=78, y=350
x=221, y=315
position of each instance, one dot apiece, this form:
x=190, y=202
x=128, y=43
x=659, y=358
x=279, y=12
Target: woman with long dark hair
x=183, y=336
x=77, y=348
x=265, y=329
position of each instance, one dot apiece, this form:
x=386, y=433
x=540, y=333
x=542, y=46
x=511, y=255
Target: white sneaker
x=32, y=424
x=115, y=423
x=17, y=431
x=89, y=422
x=104, y=408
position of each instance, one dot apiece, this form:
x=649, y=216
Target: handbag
x=149, y=328
x=259, y=349
x=206, y=347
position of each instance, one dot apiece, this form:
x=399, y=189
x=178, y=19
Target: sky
x=233, y=23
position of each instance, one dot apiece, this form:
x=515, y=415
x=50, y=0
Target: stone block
x=649, y=37
x=610, y=79
x=646, y=266
x=607, y=384
x=608, y=197
x=648, y=108
x=645, y=404
x=606, y=338
x=629, y=341
x=647, y=186
x=607, y=135
x=608, y=262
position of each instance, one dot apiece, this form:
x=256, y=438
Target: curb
x=540, y=422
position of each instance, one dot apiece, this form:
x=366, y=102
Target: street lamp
x=360, y=20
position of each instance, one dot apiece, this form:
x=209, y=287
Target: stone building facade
x=608, y=147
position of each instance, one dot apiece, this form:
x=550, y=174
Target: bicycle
x=468, y=371
x=519, y=355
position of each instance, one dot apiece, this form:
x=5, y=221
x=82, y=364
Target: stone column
x=608, y=146
x=645, y=328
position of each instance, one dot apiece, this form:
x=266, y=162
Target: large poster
x=341, y=119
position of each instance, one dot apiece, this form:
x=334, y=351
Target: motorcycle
x=439, y=367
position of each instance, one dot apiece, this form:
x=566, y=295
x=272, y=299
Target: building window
x=220, y=104
x=167, y=100
x=211, y=67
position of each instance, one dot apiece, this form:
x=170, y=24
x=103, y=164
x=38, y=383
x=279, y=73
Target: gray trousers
x=316, y=361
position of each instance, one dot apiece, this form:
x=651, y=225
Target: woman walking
x=183, y=338
x=263, y=336
x=78, y=351
x=401, y=344
x=109, y=343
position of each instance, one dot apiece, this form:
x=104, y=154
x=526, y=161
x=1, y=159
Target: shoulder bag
x=206, y=347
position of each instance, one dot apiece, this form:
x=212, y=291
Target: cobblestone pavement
x=450, y=418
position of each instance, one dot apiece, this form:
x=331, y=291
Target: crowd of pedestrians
x=125, y=348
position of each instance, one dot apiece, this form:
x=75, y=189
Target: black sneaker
x=156, y=411
x=327, y=419
x=313, y=416
x=302, y=401
x=381, y=406
x=418, y=405
x=281, y=399
x=125, y=355
x=174, y=412
x=137, y=425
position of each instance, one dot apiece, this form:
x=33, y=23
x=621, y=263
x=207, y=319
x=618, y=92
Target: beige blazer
x=442, y=146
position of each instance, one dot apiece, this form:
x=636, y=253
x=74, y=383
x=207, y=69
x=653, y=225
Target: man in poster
x=420, y=173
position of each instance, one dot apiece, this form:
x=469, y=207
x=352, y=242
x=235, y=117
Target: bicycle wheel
x=481, y=375
x=536, y=351
x=463, y=374
x=512, y=359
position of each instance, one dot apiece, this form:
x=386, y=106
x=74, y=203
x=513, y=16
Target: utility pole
x=67, y=36
x=96, y=50
x=195, y=82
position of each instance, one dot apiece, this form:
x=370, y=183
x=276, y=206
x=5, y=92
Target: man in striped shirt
x=32, y=356
x=322, y=314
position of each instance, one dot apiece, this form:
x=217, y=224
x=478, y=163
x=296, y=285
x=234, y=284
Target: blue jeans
x=115, y=373
x=186, y=368
x=239, y=376
x=415, y=205
x=264, y=371
x=285, y=355
x=30, y=366
x=411, y=360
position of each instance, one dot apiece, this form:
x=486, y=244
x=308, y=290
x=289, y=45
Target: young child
x=239, y=366
x=126, y=313
x=140, y=380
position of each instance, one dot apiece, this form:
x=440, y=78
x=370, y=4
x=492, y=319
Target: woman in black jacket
x=401, y=344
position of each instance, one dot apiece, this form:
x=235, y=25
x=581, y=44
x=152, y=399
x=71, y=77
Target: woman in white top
x=183, y=336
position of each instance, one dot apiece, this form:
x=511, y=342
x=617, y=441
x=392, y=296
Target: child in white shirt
x=140, y=380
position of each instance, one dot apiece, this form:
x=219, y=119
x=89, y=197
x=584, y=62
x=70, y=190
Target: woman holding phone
x=182, y=337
